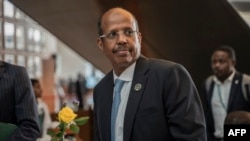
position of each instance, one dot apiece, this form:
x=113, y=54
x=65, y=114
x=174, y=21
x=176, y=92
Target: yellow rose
x=66, y=115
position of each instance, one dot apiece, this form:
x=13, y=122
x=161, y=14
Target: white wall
x=69, y=63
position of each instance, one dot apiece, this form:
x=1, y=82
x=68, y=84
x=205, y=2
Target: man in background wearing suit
x=17, y=103
x=158, y=101
x=223, y=91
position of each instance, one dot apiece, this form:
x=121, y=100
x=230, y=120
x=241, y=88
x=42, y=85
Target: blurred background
x=56, y=40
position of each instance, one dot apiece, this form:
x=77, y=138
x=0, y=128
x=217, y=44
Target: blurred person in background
x=43, y=112
x=60, y=92
x=238, y=118
x=71, y=89
x=223, y=91
x=81, y=89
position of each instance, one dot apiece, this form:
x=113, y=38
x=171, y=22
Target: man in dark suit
x=17, y=103
x=158, y=99
x=223, y=92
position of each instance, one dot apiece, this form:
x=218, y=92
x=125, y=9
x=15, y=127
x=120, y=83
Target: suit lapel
x=135, y=95
x=106, y=107
x=234, y=86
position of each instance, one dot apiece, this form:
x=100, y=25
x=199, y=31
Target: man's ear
x=100, y=44
x=139, y=37
x=234, y=63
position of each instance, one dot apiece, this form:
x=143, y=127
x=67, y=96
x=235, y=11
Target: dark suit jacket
x=166, y=108
x=236, y=102
x=17, y=102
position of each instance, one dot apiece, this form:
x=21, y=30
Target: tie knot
x=118, y=84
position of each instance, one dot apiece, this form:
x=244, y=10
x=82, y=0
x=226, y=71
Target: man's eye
x=112, y=34
x=128, y=32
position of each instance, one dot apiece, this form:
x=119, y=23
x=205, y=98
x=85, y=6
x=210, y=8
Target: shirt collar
x=127, y=74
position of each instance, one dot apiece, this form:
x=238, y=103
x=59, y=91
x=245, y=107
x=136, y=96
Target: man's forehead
x=120, y=17
x=116, y=13
x=220, y=55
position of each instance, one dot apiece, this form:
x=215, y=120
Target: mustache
x=121, y=48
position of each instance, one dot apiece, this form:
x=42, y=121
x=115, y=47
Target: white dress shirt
x=219, y=103
x=126, y=76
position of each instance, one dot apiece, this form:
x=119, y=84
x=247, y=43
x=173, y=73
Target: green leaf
x=61, y=125
x=51, y=132
x=74, y=128
x=60, y=134
x=81, y=120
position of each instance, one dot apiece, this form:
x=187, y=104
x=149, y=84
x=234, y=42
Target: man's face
x=37, y=90
x=121, y=42
x=222, y=65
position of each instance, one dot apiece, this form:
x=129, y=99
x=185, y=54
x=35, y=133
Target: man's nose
x=121, y=38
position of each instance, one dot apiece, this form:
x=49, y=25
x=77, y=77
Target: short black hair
x=228, y=49
x=34, y=81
